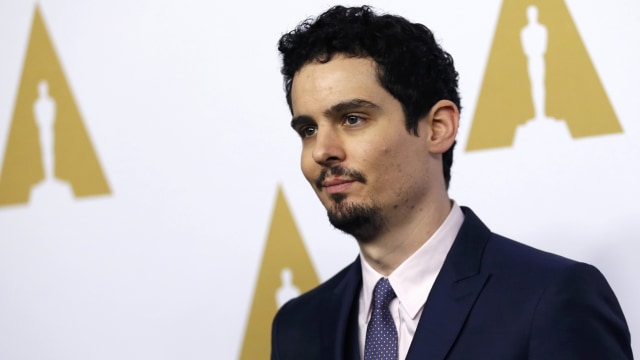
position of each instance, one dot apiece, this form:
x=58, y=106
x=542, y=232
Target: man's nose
x=328, y=147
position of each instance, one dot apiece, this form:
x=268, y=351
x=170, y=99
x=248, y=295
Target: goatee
x=363, y=222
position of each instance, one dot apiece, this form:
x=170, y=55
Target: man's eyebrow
x=349, y=105
x=301, y=120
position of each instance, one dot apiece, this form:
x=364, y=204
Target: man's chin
x=338, y=198
x=361, y=221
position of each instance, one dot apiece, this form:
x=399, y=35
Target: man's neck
x=392, y=247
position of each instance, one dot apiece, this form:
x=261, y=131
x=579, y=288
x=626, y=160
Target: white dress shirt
x=411, y=281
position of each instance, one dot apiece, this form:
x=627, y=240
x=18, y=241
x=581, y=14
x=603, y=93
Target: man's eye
x=308, y=131
x=352, y=120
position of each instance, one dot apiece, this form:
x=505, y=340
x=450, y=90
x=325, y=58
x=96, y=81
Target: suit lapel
x=453, y=294
x=343, y=303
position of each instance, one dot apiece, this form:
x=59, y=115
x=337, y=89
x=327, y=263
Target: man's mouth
x=336, y=184
x=337, y=178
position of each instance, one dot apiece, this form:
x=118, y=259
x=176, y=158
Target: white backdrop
x=184, y=106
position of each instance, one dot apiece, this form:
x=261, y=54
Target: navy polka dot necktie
x=382, y=337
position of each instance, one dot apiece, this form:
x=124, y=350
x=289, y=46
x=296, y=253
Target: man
x=374, y=99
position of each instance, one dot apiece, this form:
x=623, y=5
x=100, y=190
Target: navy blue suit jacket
x=494, y=299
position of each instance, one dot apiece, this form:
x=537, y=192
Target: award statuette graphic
x=539, y=74
x=48, y=150
x=285, y=272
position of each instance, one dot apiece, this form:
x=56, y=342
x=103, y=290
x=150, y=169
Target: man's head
x=375, y=101
x=411, y=66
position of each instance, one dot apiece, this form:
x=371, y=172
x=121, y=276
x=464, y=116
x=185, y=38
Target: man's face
x=366, y=168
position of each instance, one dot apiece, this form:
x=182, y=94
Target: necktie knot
x=383, y=294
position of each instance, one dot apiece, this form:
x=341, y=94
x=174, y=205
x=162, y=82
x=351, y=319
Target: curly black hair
x=411, y=65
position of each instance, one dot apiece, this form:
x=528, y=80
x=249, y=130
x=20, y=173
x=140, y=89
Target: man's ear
x=443, y=128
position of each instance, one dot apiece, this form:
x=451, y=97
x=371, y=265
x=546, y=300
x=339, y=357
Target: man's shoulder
x=515, y=261
x=557, y=306
x=508, y=251
x=514, y=264
x=326, y=289
x=501, y=251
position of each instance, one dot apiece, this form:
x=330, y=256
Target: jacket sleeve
x=578, y=317
x=274, y=337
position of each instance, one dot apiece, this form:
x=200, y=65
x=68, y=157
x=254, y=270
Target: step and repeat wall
x=151, y=201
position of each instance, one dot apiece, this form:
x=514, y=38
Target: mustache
x=339, y=170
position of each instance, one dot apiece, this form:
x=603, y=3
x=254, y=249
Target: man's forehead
x=336, y=74
x=363, y=61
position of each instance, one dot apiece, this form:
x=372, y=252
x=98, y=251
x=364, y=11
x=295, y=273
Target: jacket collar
x=453, y=294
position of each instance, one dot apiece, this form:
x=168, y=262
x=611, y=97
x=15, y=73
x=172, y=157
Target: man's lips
x=337, y=178
x=336, y=184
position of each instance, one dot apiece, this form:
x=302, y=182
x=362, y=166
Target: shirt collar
x=413, y=279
